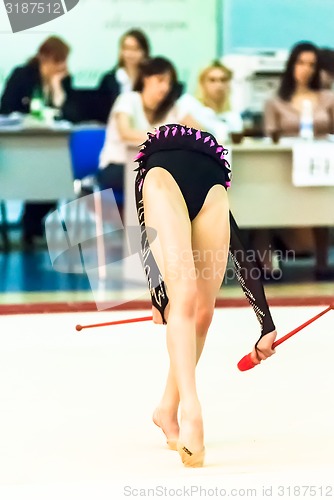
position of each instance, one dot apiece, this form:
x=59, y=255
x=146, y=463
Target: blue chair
x=85, y=148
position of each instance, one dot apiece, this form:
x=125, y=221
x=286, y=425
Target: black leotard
x=173, y=143
x=194, y=172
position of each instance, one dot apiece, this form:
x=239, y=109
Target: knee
x=184, y=302
x=203, y=320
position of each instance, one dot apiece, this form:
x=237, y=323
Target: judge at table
x=44, y=79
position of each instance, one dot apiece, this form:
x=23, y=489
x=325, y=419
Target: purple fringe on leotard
x=176, y=136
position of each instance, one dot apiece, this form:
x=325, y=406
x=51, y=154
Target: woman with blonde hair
x=214, y=87
x=211, y=106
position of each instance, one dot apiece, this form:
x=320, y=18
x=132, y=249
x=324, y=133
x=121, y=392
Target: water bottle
x=306, y=131
x=37, y=104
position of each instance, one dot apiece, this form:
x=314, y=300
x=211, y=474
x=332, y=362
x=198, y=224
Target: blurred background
x=251, y=41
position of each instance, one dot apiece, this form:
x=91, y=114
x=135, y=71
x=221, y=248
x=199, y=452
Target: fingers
x=254, y=357
x=264, y=353
x=265, y=345
x=261, y=353
x=263, y=348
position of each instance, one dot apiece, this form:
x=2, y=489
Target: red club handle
x=111, y=323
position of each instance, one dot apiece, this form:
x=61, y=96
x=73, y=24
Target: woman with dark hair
x=133, y=50
x=300, y=82
x=301, y=86
x=45, y=76
x=152, y=103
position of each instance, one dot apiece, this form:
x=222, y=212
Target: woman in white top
x=212, y=106
x=151, y=104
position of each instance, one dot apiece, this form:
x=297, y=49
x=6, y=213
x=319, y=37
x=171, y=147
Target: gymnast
x=181, y=196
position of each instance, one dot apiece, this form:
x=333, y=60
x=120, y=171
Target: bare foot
x=168, y=424
x=190, y=444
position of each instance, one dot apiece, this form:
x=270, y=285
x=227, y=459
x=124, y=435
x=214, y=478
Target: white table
x=262, y=194
x=35, y=165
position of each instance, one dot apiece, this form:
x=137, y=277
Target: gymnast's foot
x=190, y=444
x=167, y=421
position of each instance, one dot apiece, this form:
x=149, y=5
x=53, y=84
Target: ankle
x=168, y=409
x=191, y=411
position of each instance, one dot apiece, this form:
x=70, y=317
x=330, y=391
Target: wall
x=275, y=24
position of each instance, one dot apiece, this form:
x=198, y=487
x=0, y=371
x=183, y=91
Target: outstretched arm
x=254, y=292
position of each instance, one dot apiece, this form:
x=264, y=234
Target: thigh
x=210, y=242
x=167, y=219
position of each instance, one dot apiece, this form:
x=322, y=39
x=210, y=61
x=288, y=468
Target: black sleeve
x=15, y=96
x=67, y=84
x=109, y=85
x=248, y=276
x=104, y=85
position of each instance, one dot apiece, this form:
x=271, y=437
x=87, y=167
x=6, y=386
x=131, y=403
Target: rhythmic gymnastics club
x=119, y=322
x=246, y=363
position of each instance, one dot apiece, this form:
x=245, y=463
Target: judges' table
x=262, y=194
x=35, y=164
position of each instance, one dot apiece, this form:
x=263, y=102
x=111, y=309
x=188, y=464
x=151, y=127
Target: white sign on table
x=313, y=164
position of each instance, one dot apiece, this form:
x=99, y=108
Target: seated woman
x=153, y=102
x=133, y=50
x=212, y=107
x=301, y=82
x=45, y=76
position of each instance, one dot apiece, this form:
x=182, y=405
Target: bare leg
x=210, y=242
x=210, y=262
x=165, y=211
x=210, y=268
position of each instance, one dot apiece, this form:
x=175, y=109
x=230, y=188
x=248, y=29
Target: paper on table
x=313, y=164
